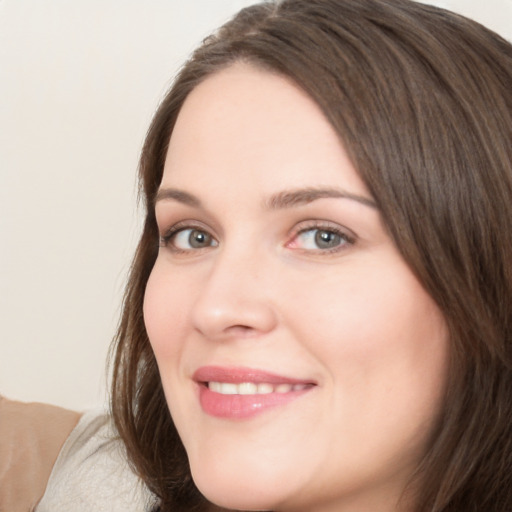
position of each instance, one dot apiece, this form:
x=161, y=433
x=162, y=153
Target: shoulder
x=31, y=436
x=92, y=472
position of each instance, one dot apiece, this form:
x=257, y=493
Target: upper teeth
x=251, y=388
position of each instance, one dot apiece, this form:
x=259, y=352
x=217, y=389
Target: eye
x=187, y=239
x=321, y=238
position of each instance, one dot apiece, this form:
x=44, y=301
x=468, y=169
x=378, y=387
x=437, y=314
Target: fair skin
x=274, y=260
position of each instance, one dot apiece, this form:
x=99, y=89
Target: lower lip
x=243, y=406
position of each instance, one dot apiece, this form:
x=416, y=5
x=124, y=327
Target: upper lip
x=238, y=375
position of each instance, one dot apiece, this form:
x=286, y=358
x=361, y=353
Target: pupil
x=326, y=239
x=198, y=239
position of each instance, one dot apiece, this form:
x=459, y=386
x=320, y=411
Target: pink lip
x=243, y=406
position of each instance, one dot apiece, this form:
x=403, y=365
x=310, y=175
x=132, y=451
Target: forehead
x=244, y=123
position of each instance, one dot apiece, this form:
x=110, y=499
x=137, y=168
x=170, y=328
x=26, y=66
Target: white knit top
x=92, y=474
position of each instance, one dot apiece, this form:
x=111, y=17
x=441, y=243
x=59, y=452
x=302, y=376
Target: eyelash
x=347, y=238
x=167, y=238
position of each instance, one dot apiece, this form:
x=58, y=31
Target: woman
x=319, y=311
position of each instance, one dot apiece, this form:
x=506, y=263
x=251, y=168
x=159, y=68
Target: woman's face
x=302, y=361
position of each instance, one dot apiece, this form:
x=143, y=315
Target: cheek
x=384, y=345
x=373, y=310
x=164, y=309
x=380, y=336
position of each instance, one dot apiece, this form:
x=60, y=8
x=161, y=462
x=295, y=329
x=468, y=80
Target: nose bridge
x=235, y=295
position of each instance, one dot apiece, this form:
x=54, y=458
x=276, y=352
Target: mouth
x=253, y=388
x=237, y=393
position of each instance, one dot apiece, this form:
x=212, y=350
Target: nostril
x=241, y=330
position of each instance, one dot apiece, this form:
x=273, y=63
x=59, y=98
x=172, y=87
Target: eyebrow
x=299, y=197
x=281, y=200
x=177, y=195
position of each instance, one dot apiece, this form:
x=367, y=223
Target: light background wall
x=79, y=81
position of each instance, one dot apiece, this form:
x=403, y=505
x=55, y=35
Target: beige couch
x=31, y=436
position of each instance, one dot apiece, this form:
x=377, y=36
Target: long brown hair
x=422, y=100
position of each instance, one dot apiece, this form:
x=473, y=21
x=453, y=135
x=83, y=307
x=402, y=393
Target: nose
x=234, y=301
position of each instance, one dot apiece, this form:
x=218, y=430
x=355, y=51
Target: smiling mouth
x=241, y=393
x=253, y=388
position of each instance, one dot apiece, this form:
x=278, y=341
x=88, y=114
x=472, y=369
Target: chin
x=237, y=491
